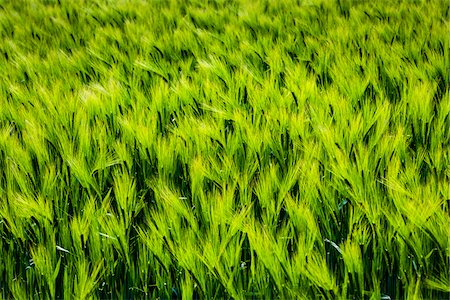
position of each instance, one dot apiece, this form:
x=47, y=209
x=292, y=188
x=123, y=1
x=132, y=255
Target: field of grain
x=241, y=149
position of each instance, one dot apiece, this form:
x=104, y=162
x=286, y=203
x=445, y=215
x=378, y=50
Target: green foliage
x=224, y=149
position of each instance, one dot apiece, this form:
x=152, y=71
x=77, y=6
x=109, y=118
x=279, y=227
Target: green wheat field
x=224, y=149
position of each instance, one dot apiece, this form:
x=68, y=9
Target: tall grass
x=217, y=149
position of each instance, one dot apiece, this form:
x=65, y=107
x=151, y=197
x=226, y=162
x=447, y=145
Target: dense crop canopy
x=246, y=149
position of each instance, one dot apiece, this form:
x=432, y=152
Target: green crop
x=224, y=149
